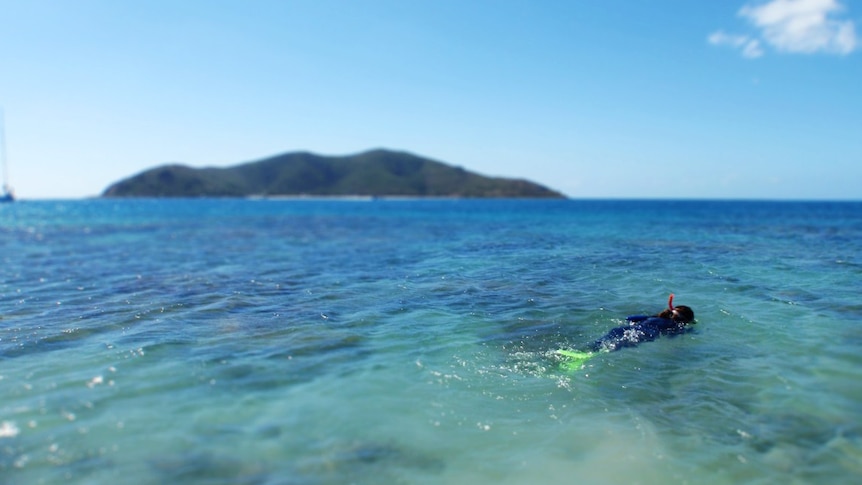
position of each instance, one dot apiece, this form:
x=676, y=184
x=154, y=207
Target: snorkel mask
x=681, y=314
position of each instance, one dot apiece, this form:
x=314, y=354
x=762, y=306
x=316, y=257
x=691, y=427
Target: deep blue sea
x=412, y=342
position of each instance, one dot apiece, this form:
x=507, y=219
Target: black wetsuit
x=641, y=328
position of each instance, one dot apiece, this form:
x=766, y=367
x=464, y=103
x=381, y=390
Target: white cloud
x=803, y=26
x=721, y=38
x=795, y=26
x=750, y=47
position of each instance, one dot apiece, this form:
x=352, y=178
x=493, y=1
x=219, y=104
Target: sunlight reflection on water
x=311, y=342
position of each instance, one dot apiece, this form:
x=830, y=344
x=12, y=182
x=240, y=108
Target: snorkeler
x=643, y=328
x=640, y=328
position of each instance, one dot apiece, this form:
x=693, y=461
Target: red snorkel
x=670, y=302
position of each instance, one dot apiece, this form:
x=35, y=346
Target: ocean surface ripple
x=412, y=341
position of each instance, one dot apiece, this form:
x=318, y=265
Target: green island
x=374, y=173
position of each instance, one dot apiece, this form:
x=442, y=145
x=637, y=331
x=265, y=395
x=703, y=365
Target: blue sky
x=595, y=98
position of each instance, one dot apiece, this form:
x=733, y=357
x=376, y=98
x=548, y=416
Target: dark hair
x=679, y=314
x=683, y=314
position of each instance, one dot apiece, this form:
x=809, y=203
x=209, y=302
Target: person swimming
x=640, y=328
x=644, y=328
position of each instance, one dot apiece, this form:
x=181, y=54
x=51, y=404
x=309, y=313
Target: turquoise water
x=329, y=342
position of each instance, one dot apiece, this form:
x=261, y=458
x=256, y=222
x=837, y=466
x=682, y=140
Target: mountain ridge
x=377, y=173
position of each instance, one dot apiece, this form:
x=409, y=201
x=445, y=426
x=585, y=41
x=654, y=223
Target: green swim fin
x=573, y=360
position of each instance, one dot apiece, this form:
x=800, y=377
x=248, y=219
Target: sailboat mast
x=3, y=149
x=6, y=190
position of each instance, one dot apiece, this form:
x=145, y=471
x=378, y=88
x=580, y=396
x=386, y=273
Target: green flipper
x=573, y=360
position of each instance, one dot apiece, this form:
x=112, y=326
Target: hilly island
x=375, y=173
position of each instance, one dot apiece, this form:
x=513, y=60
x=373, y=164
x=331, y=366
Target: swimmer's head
x=679, y=314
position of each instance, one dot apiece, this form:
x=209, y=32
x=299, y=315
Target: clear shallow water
x=317, y=342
